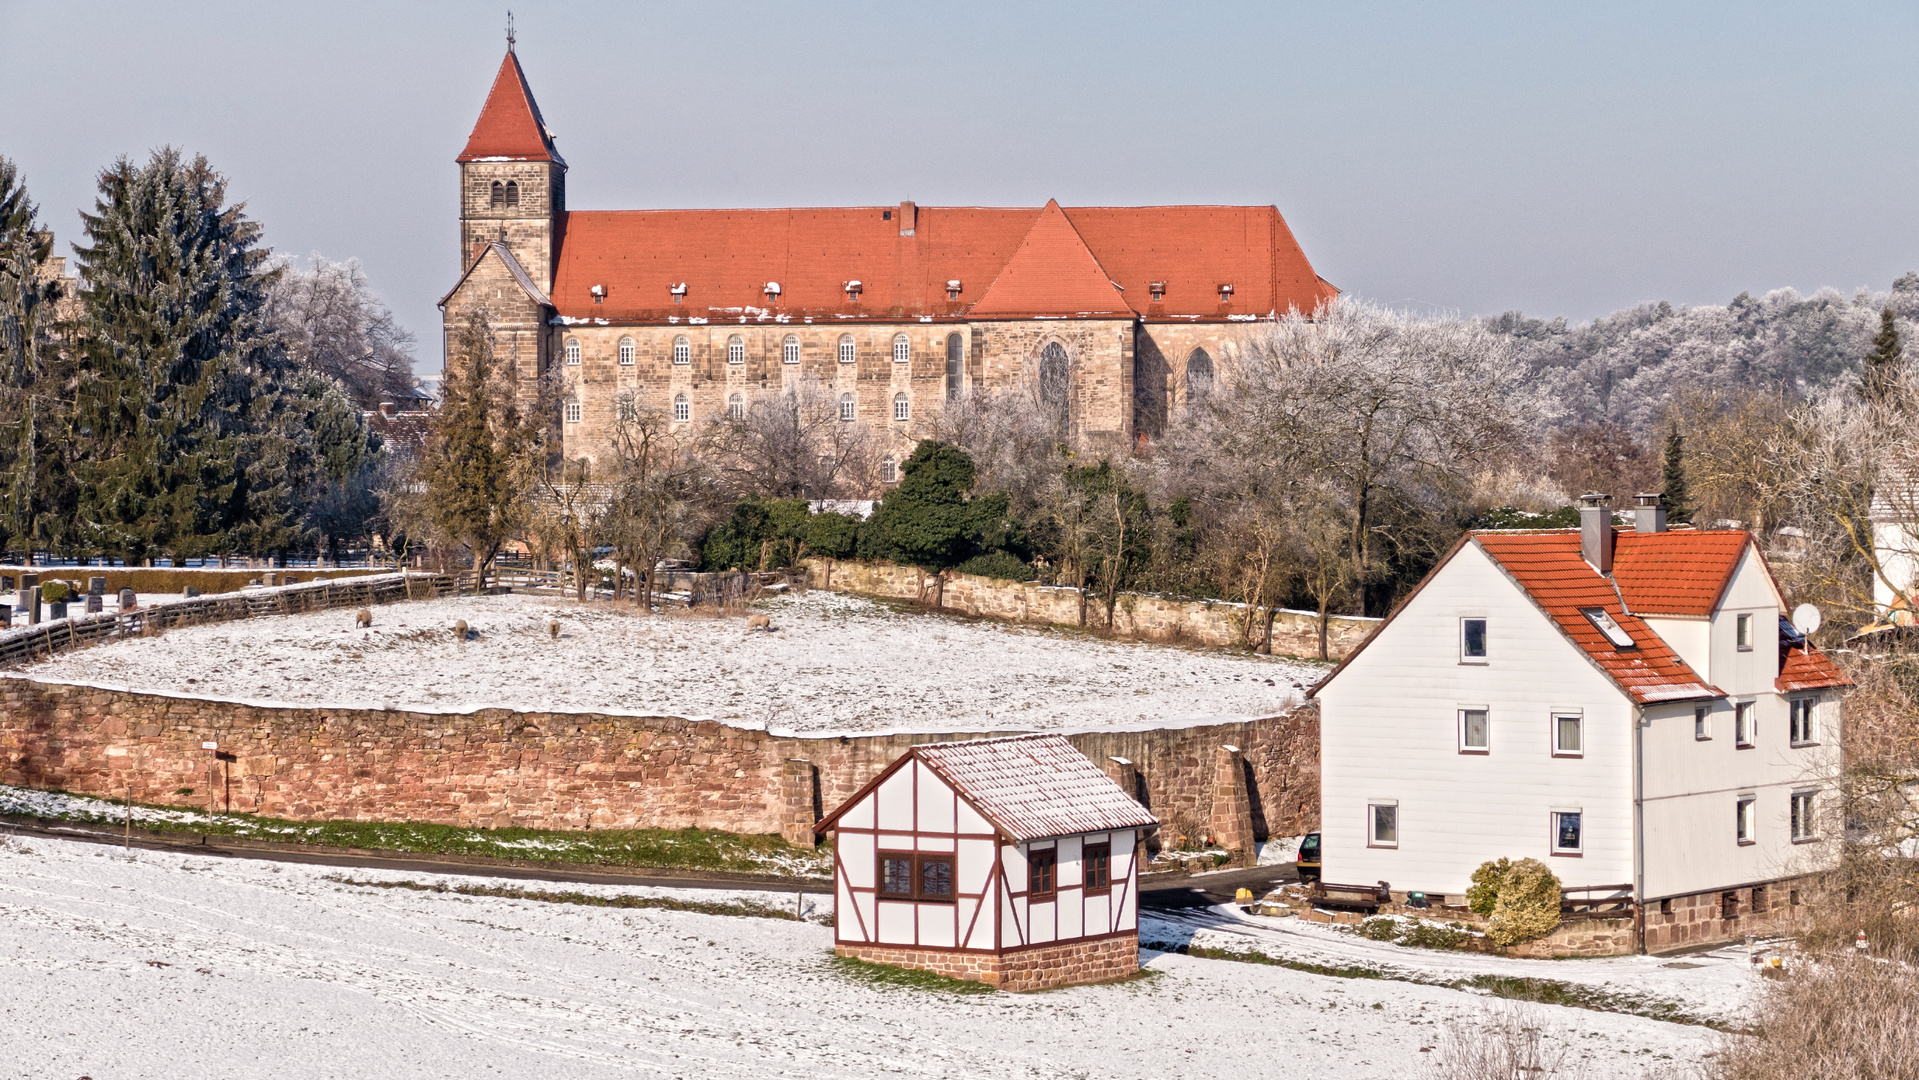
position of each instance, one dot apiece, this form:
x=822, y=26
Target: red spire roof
x=510, y=127
x=1052, y=273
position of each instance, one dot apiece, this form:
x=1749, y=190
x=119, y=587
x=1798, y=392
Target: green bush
x=1380, y=929
x=1425, y=935
x=53, y=591
x=997, y=564
x=1528, y=904
x=1484, y=891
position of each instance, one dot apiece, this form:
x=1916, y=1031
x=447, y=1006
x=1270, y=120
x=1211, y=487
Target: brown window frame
x=1096, y=857
x=879, y=874
x=1042, y=883
x=916, y=862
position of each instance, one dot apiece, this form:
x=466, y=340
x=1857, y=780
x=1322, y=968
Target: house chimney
x=1595, y=531
x=1649, y=512
x=909, y=218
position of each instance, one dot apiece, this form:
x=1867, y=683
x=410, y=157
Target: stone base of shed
x=1726, y=915
x=1041, y=968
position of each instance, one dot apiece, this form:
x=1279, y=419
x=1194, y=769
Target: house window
x=1097, y=861
x=1472, y=641
x=902, y=408
x=1729, y=904
x=1702, y=721
x=572, y=351
x=904, y=875
x=1566, y=735
x=681, y=410
x=1743, y=629
x=936, y=877
x=682, y=351
x=1382, y=824
x=1568, y=832
x=955, y=357
x=896, y=875
x=1040, y=866
x=889, y=471
x=1475, y=731
x=736, y=350
x=736, y=407
x=1802, y=823
x=790, y=350
x=848, y=410
x=1802, y=730
x=572, y=412
x=847, y=353
x=902, y=349
x=1742, y=724
x=626, y=352
x=1745, y=816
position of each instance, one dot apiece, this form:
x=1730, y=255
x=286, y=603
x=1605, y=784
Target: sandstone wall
x=1149, y=618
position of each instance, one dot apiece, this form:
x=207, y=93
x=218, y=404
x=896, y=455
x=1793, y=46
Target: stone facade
x=1040, y=968
x=1146, y=618
x=1726, y=915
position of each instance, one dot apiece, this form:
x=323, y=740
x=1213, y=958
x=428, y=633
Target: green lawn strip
x=886, y=975
x=1512, y=987
x=748, y=908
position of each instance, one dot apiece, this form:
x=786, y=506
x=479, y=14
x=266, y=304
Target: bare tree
x=659, y=496
x=792, y=444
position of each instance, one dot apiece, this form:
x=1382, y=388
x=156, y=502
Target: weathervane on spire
x=509, y=30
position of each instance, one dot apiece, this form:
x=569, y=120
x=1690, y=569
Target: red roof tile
x=510, y=127
x=1193, y=250
x=1681, y=572
x=1806, y=668
x=1052, y=273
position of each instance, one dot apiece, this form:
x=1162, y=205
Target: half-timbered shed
x=1013, y=862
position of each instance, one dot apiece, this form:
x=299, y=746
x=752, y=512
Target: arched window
x=1055, y=387
x=497, y=197
x=682, y=351
x=1199, y=375
x=736, y=407
x=955, y=365
x=790, y=350
x=512, y=194
x=847, y=353
x=848, y=410
x=572, y=351
x=736, y=350
x=572, y=412
x=681, y=410
x=902, y=407
x=626, y=352
x=902, y=349
x=889, y=471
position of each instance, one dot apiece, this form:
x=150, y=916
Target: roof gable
x=510, y=127
x=512, y=265
x=1052, y=273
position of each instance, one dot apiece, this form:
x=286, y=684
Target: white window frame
x=1742, y=634
x=573, y=412
x=1745, y=724
x=736, y=407
x=1803, y=721
x=1466, y=747
x=1578, y=717
x=682, y=351
x=790, y=350
x=1373, y=806
x=889, y=471
x=1553, y=823
x=849, y=408
x=682, y=409
x=1702, y=722
x=902, y=407
x=902, y=349
x=849, y=351
x=627, y=351
x=1746, y=819
x=572, y=350
x=736, y=350
x=1805, y=825
x=1485, y=642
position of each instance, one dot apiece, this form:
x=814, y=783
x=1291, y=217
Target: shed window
x=1472, y=641
x=1802, y=729
x=1382, y=824
x=626, y=352
x=847, y=352
x=955, y=362
x=1742, y=725
x=1475, y=731
x=1098, y=862
x=896, y=875
x=736, y=407
x=849, y=411
x=905, y=875
x=902, y=407
x=736, y=350
x=682, y=351
x=1568, y=832
x=1040, y=867
x=902, y=349
x=1802, y=821
x=1745, y=819
x=936, y=877
x=572, y=351
x=1568, y=734
x=1743, y=628
x=790, y=350
x=681, y=410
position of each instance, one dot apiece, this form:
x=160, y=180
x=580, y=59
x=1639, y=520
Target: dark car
x=1309, y=858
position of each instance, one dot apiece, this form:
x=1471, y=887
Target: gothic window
x=497, y=197
x=847, y=352
x=955, y=365
x=512, y=200
x=847, y=408
x=626, y=352
x=736, y=407
x=1055, y=387
x=902, y=407
x=682, y=351
x=572, y=351
x=736, y=350
x=902, y=349
x=1199, y=375
x=681, y=410
x=790, y=350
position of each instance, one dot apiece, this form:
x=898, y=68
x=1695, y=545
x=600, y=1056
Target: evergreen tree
x=1679, y=506
x=35, y=492
x=1880, y=371
x=929, y=522
x=476, y=457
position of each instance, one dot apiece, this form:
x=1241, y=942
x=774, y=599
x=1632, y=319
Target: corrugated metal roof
x=1034, y=786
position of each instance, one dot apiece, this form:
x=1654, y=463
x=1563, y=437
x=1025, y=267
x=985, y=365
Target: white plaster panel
x=896, y=802
x=1068, y=868
x=936, y=924
x=982, y=935
x=855, y=852
x=975, y=868
x=1043, y=923
x=971, y=821
x=1127, y=916
x=1070, y=914
x=1099, y=915
x=935, y=802
x=866, y=902
x=861, y=815
x=936, y=843
x=897, y=841
x=1015, y=863
x=845, y=920
x=896, y=923
x=1013, y=921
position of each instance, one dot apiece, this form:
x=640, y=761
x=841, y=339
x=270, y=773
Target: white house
x=1007, y=861
x=1630, y=707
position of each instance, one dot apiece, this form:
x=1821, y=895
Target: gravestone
x=33, y=605
x=272, y=579
x=96, y=586
x=128, y=601
x=96, y=603
x=57, y=609
x=192, y=592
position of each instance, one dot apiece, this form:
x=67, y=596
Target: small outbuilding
x=1012, y=862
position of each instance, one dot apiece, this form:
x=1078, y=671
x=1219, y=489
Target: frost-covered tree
x=336, y=326
x=1881, y=368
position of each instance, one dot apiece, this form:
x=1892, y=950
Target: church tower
x=512, y=179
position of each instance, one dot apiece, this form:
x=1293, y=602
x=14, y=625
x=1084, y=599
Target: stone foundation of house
x=1071, y=964
x=1724, y=915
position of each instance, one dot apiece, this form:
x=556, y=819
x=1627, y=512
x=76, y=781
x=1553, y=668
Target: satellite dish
x=1806, y=618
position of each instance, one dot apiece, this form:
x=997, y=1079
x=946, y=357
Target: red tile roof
x=510, y=127
x=1681, y=572
x=726, y=258
x=1806, y=668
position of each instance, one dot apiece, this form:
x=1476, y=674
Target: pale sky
x=1559, y=159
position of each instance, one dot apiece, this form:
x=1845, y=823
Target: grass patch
x=1271, y=961
x=888, y=976
x=747, y=908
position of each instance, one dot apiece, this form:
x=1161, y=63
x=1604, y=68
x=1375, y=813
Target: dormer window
x=772, y=290
x=678, y=291
x=599, y=294
x=853, y=291
x=1158, y=291
x=953, y=289
x=1226, y=294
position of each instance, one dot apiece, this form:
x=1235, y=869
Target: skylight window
x=1604, y=623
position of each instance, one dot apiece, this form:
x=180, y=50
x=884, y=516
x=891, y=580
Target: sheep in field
x=362, y=619
x=553, y=629
x=759, y=622
x=459, y=630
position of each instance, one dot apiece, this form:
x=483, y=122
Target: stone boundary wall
x=1146, y=618
x=498, y=767
x=1072, y=963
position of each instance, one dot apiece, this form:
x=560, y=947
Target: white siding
x=1689, y=637
x=857, y=858
x=896, y=923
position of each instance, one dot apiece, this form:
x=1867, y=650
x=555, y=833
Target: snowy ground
x=175, y=965
x=833, y=664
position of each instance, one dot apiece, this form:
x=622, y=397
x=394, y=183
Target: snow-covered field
x=170, y=965
x=832, y=664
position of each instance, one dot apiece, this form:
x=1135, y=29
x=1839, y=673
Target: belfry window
x=497, y=196
x=511, y=196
